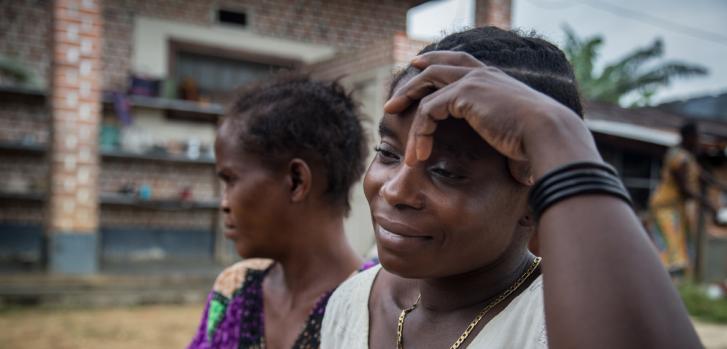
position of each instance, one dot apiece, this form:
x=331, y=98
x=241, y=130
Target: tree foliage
x=636, y=73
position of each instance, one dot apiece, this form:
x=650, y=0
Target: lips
x=230, y=231
x=400, y=229
x=398, y=237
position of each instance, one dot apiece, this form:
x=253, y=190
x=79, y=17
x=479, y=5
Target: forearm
x=604, y=285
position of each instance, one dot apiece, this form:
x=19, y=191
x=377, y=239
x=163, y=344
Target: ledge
x=111, y=199
x=175, y=108
x=18, y=147
x=124, y=155
x=29, y=196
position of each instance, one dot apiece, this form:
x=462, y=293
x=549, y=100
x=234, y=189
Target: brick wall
x=21, y=212
x=395, y=52
x=145, y=218
x=348, y=25
x=345, y=24
x=166, y=179
x=24, y=121
x=24, y=34
x=365, y=32
x=76, y=109
x=493, y=12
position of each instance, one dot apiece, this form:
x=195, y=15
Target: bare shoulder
x=232, y=277
x=345, y=324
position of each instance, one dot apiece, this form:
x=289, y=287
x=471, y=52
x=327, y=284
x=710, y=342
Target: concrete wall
x=152, y=37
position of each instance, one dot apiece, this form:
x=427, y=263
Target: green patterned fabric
x=217, y=308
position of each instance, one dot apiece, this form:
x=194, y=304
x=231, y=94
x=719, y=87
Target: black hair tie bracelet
x=577, y=178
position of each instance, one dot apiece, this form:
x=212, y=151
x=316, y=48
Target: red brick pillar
x=493, y=12
x=72, y=223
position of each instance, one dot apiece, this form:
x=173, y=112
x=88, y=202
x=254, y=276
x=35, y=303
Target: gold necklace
x=478, y=317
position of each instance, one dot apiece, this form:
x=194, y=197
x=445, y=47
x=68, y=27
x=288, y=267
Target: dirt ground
x=151, y=327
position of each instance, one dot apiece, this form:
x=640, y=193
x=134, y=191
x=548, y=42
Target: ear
x=521, y=172
x=299, y=180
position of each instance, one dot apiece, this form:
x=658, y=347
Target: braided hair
x=525, y=57
x=293, y=116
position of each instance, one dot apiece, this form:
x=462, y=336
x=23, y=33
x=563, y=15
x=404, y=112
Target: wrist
x=558, y=137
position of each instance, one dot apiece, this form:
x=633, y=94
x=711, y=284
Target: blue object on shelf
x=140, y=86
x=144, y=192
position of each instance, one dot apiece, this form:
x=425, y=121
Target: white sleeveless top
x=520, y=325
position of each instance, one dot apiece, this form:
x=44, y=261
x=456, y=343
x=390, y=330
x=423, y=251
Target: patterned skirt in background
x=670, y=229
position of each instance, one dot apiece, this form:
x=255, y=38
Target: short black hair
x=294, y=116
x=526, y=57
x=689, y=129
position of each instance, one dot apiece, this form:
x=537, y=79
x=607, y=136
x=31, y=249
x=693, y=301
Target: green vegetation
x=639, y=74
x=701, y=307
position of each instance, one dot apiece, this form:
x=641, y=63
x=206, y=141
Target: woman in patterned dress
x=288, y=153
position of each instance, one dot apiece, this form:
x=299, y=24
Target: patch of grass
x=702, y=307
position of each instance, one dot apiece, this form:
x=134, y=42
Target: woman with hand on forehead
x=482, y=149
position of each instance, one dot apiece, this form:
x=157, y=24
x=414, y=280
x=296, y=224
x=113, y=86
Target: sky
x=693, y=31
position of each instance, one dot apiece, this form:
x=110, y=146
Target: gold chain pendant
x=478, y=317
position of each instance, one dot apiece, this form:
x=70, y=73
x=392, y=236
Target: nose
x=224, y=206
x=403, y=189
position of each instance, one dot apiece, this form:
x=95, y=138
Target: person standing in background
x=673, y=225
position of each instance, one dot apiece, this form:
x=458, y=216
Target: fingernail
x=408, y=160
x=421, y=153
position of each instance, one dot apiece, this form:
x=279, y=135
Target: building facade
x=108, y=111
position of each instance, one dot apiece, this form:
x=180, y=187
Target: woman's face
x=253, y=199
x=453, y=213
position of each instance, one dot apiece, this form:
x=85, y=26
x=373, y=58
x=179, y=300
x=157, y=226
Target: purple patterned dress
x=234, y=317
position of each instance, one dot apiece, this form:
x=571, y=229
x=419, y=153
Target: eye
x=386, y=153
x=447, y=173
x=225, y=177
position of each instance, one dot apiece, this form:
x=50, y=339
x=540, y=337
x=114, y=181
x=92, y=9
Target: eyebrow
x=386, y=131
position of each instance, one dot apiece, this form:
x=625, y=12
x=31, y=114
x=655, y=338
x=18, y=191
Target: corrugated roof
x=650, y=118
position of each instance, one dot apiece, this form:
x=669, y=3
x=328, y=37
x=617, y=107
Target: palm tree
x=628, y=75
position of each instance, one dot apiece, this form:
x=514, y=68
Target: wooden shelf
x=8, y=93
x=17, y=147
x=175, y=108
x=36, y=197
x=111, y=199
x=124, y=155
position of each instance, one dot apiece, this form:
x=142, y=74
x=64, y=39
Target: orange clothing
x=668, y=210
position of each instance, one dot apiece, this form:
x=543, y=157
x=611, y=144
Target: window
x=237, y=18
x=213, y=74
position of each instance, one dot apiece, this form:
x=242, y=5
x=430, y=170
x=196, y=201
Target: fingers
x=420, y=142
x=432, y=109
x=454, y=58
x=432, y=78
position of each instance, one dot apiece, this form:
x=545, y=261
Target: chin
x=408, y=268
x=246, y=252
